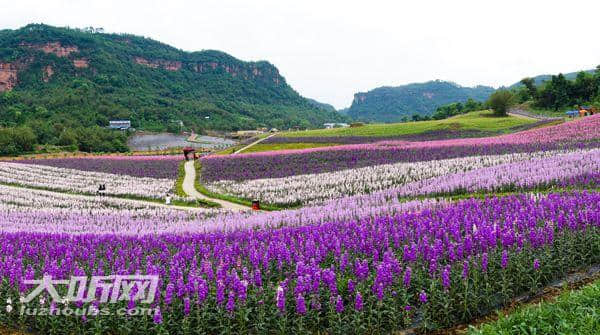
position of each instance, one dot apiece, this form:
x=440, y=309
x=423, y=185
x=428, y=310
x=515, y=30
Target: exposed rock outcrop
x=80, y=63
x=8, y=76
x=53, y=48
x=234, y=71
x=156, y=63
x=204, y=67
x=359, y=97
x=48, y=72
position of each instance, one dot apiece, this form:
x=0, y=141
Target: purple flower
x=504, y=259
x=157, y=316
x=339, y=304
x=315, y=304
x=423, y=297
x=230, y=302
x=407, y=275
x=446, y=277
x=220, y=292
x=407, y=308
x=351, y=286
x=257, y=278
x=300, y=305
x=186, y=306
x=536, y=264
x=484, y=262
x=379, y=291
x=358, y=302
x=465, y=271
x=169, y=293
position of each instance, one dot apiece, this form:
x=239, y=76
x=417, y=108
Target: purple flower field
x=388, y=271
x=581, y=133
x=366, y=263
x=137, y=166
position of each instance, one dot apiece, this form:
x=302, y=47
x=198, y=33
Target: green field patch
x=483, y=121
x=573, y=312
x=285, y=146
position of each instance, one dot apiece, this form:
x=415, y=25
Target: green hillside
x=321, y=105
x=472, y=124
x=395, y=104
x=482, y=121
x=69, y=78
x=542, y=78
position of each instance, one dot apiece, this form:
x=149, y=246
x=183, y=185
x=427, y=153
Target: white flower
x=311, y=189
x=9, y=308
x=82, y=181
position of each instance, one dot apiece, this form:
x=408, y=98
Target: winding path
x=254, y=143
x=108, y=197
x=190, y=189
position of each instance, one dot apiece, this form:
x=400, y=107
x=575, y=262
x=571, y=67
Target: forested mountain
x=542, y=78
x=62, y=79
x=321, y=105
x=394, y=104
x=560, y=92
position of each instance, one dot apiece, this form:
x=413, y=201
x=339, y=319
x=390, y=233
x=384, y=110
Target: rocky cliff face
x=55, y=48
x=245, y=72
x=80, y=63
x=8, y=76
x=159, y=63
x=104, y=76
x=48, y=73
x=9, y=72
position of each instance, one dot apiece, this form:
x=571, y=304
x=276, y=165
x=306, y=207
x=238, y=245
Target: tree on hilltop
x=500, y=102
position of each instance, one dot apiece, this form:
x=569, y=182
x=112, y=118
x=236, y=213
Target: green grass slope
x=482, y=121
x=574, y=312
x=473, y=124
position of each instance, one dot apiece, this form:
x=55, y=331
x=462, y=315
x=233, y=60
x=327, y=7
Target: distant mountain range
x=321, y=105
x=545, y=77
x=392, y=104
x=84, y=77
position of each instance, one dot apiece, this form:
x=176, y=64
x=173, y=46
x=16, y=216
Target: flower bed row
x=580, y=169
x=161, y=167
x=71, y=180
x=50, y=212
x=42, y=211
x=313, y=188
x=582, y=133
x=431, y=268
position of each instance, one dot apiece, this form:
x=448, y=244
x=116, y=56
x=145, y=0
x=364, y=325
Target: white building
x=119, y=124
x=335, y=125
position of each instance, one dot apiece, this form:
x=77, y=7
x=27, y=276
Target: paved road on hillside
x=190, y=189
x=521, y=112
x=253, y=143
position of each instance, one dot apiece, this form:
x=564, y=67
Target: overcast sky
x=329, y=50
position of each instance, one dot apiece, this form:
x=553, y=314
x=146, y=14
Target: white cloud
x=330, y=50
